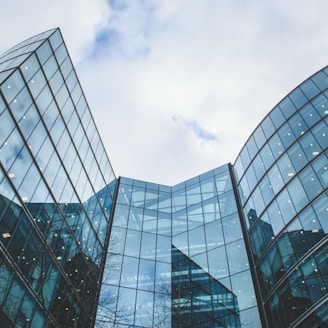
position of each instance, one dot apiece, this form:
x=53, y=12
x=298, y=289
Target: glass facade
x=177, y=257
x=55, y=190
x=282, y=179
x=243, y=245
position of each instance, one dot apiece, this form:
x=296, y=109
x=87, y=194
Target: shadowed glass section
x=199, y=300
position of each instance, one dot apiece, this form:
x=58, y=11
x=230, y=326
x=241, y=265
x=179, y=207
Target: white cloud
x=220, y=65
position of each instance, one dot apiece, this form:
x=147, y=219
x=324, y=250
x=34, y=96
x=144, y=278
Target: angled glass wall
x=177, y=257
x=283, y=178
x=55, y=190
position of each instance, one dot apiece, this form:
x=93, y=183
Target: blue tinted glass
x=310, y=182
x=257, y=201
x=267, y=127
x=298, y=125
x=195, y=236
x=244, y=156
x=259, y=137
x=287, y=107
x=258, y=166
x=246, y=294
x=251, y=147
x=297, y=156
x=276, y=146
x=321, y=80
x=297, y=194
x=237, y=257
x=286, y=135
x=321, y=133
x=309, y=115
x=218, y=264
x=320, y=208
x=277, y=117
x=298, y=97
x=320, y=103
x=309, y=88
x=310, y=146
x=275, y=217
x=231, y=228
x=286, y=206
x=251, y=178
x=275, y=179
x=5, y=128
x=12, y=86
x=266, y=190
x=267, y=156
x=321, y=169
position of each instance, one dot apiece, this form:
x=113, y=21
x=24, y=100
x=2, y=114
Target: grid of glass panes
x=283, y=179
x=199, y=219
x=136, y=287
x=53, y=186
x=206, y=227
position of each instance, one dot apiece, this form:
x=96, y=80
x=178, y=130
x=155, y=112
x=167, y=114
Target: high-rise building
x=243, y=245
x=56, y=190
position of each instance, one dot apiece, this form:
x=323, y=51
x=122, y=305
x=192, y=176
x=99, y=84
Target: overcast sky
x=177, y=86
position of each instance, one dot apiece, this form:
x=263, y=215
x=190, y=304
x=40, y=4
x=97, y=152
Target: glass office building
x=243, y=245
x=177, y=256
x=56, y=190
x=282, y=179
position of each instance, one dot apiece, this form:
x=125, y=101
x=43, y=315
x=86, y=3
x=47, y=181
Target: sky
x=176, y=87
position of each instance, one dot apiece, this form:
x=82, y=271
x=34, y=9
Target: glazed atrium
x=243, y=245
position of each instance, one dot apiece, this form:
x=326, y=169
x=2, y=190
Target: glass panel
x=310, y=146
x=129, y=272
x=20, y=105
x=275, y=179
x=12, y=86
x=309, y=88
x=298, y=98
x=163, y=249
x=37, y=83
x=211, y=210
x=44, y=52
x=277, y=117
x=310, y=182
x=320, y=166
x=297, y=156
x=275, y=217
x=214, y=234
x=132, y=243
x=287, y=107
x=286, y=207
x=197, y=241
x=310, y=115
x=231, y=228
x=321, y=134
x=237, y=257
x=148, y=246
x=259, y=137
x=144, y=303
x=297, y=194
x=218, y=265
x=146, y=275
x=5, y=128
x=298, y=125
x=243, y=290
x=287, y=135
